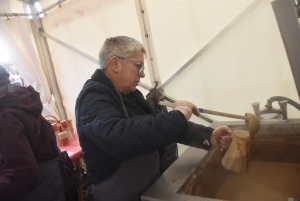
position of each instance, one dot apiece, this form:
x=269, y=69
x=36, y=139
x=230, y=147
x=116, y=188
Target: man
x=120, y=132
x=29, y=165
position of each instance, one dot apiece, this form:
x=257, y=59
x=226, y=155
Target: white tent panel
x=242, y=58
x=85, y=27
x=10, y=6
x=70, y=70
x=46, y=3
x=20, y=46
x=181, y=28
x=246, y=64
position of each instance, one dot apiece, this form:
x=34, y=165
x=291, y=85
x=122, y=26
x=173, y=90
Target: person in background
x=29, y=165
x=11, y=79
x=22, y=82
x=120, y=133
x=14, y=82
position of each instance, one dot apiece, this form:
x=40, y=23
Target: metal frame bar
x=28, y=1
x=58, y=3
x=147, y=40
x=288, y=25
x=173, y=100
x=70, y=47
x=210, y=43
x=45, y=57
x=14, y=14
x=53, y=6
x=143, y=85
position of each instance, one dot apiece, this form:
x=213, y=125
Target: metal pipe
x=288, y=25
x=52, y=6
x=173, y=100
x=45, y=58
x=14, y=14
x=210, y=43
x=143, y=18
x=70, y=47
x=145, y=86
x=281, y=98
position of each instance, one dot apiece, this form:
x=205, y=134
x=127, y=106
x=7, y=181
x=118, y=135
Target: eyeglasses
x=140, y=66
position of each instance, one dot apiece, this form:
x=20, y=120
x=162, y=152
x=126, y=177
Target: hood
x=26, y=99
x=3, y=79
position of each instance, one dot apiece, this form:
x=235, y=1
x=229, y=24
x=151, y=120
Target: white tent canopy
x=221, y=55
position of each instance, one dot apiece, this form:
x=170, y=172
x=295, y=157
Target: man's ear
x=114, y=64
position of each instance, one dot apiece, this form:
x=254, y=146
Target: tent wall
x=11, y=6
x=247, y=63
x=85, y=26
x=17, y=38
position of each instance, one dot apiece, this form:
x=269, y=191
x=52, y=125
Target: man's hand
x=187, y=108
x=221, y=137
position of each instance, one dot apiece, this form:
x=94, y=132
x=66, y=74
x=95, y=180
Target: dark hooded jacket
x=108, y=137
x=26, y=138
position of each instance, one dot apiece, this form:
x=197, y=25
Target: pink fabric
x=73, y=149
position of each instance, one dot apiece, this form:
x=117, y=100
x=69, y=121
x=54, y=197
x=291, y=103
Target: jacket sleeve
x=197, y=136
x=103, y=123
x=19, y=172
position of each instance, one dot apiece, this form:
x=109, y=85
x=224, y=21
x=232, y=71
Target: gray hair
x=121, y=46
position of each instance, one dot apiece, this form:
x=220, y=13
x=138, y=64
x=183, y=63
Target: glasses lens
x=139, y=65
x=141, y=68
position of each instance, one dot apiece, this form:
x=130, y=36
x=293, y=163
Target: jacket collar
x=99, y=76
x=131, y=100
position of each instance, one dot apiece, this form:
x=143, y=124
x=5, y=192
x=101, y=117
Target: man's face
x=129, y=72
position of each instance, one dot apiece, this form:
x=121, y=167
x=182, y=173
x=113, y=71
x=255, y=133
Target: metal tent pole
x=288, y=25
x=15, y=14
x=143, y=85
x=70, y=47
x=173, y=100
x=58, y=3
x=147, y=40
x=45, y=57
x=211, y=42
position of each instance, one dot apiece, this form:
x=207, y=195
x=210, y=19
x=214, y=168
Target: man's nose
x=142, y=74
